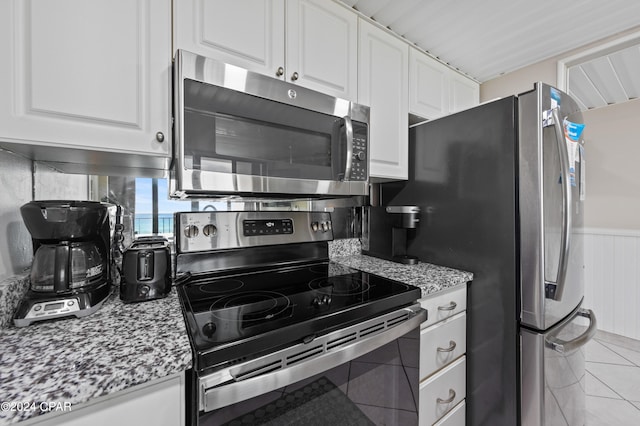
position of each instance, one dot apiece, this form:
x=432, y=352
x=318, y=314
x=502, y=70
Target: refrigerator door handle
x=563, y=346
x=558, y=285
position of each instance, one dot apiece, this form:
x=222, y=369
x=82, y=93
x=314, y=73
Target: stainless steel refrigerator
x=501, y=190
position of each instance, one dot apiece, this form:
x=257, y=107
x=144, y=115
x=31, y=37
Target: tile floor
x=613, y=381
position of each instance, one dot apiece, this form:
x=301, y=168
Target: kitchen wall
x=21, y=181
x=612, y=205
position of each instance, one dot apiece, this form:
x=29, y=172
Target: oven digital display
x=267, y=227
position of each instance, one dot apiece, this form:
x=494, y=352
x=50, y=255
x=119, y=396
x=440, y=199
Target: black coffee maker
x=385, y=234
x=71, y=268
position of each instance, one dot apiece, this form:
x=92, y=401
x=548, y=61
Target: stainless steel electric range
x=265, y=307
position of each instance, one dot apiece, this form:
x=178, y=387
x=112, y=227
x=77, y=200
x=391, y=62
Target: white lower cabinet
x=158, y=403
x=442, y=343
x=441, y=392
x=443, y=305
x=455, y=417
x=442, y=365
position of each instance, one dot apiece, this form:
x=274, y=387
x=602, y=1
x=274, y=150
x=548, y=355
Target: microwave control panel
x=360, y=161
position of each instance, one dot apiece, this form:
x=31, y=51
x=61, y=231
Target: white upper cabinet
x=435, y=89
x=322, y=47
x=428, y=93
x=248, y=33
x=85, y=75
x=383, y=85
x=312, y=43
x=463, y=92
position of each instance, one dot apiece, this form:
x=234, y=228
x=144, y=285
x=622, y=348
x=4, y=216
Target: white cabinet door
x=248, y=33
x=428, y=85
x=455, y=417
x=441, y=392
x=322, y=47
x=442, y=343
x=312, y=43
x=158, y=403
x=436, y=90
x=444, y=304
x=463, y=92
x=382, y=84
x=89, y=75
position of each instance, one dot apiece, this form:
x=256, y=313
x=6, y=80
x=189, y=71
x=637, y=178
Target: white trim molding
x=594, y=52
x=612, y=279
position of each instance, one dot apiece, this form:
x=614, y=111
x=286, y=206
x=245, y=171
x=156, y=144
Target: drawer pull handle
x=452, y=396
x=452, y=346
x=451, y=307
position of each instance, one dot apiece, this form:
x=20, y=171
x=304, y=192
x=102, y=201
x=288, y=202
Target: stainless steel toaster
x=146, y=270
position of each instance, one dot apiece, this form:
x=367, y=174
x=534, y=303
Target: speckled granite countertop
x=430, y=278
x=75, y=360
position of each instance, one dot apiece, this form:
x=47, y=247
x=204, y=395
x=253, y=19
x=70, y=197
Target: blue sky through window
x=165, y=205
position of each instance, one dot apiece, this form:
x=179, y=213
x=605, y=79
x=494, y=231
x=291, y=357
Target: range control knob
x=314, y=226
x=329, y=225
x=324, y=226
x=210, y=230
x=209, y=329
x=191, y=231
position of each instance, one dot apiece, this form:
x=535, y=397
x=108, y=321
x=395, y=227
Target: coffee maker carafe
x=385, y=234
x=71, y=268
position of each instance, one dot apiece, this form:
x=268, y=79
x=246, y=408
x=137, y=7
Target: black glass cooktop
x=233, y=317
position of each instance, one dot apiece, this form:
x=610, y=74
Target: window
x=154, y=210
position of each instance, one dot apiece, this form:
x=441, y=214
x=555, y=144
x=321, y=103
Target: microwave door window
x=233, y=132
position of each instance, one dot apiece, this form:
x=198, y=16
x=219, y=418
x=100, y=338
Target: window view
x=154, y=211
x=151, y=197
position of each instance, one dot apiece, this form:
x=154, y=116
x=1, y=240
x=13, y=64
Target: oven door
x=366, y=371
x=242, y=132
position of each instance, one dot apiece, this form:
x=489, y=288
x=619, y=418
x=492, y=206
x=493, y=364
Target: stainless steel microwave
x=242, y=133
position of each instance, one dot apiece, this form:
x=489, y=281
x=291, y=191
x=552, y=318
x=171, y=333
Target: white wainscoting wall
x=612, y=279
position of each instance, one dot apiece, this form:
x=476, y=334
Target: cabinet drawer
x=444, y=305
x=455, y=417
x=442, y=392
x=442, y=343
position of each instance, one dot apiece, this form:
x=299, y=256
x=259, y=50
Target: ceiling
x=485, y=39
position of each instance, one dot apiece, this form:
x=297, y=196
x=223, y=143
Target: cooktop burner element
x=339, y=286
x=250, y=307
x=221, y=286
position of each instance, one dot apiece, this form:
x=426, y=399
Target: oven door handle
x=290, y=365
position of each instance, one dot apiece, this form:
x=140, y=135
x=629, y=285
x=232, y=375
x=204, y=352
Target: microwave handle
x=348, y=130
